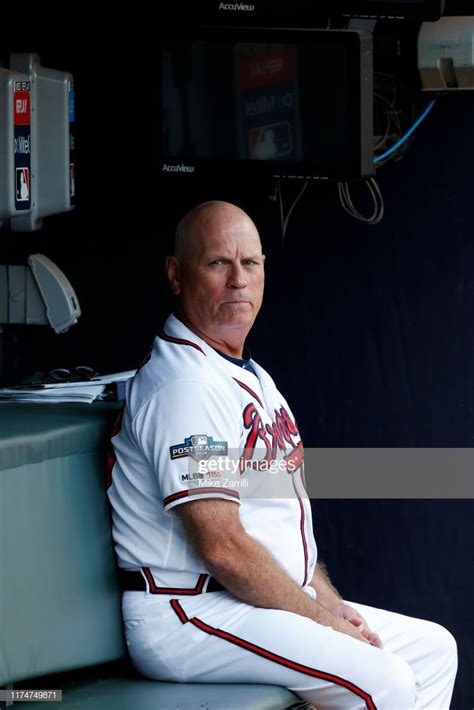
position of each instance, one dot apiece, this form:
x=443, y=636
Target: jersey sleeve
x=190, y=434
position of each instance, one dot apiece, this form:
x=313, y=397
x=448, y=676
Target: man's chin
x=238, y=321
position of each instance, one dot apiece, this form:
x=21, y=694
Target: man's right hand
x=338, y=623
x=345, y=627
x=348, y=613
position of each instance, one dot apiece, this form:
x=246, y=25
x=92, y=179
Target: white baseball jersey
x=197, y=426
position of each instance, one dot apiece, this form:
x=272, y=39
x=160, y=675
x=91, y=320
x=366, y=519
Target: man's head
x=217, y=274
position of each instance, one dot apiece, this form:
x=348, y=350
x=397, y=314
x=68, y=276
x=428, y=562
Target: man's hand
x=344, y=611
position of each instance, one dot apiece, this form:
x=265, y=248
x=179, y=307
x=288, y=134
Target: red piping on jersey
x=276, y=658
x=173, y=590
x=303, y=536
x=247, y=389
x=208, y=490
x=180, y=341
x=295, y=458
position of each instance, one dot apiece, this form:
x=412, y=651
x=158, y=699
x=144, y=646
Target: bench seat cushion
x=131, y=693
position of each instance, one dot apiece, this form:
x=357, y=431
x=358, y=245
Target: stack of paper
x=86, y=391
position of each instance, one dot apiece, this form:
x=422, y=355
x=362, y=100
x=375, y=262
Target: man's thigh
x=216, y=638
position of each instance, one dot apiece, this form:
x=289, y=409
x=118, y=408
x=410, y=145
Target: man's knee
x=443, y=644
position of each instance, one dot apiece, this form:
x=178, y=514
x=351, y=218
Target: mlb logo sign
x=270, y=141
x=22, y=184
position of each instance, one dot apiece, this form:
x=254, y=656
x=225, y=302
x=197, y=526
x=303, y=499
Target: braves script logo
x=280, y=434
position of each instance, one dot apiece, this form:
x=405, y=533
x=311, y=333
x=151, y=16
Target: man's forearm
x=248, y=571
x=326, y=593
x=246, y=568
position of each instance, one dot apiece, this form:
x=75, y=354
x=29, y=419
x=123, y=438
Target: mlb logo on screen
x=22, y=184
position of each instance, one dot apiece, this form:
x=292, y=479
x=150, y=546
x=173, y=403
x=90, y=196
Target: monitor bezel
x=358, y=164
x=429, y=10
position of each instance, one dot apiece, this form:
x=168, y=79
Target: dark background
x=365, y=329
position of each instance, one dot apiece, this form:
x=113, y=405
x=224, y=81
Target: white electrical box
x=37, y=165
x=52, y=129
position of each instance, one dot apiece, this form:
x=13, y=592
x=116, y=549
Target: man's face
x=221, y=276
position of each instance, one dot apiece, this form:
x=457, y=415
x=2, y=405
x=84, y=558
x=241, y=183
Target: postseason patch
x=198, y=446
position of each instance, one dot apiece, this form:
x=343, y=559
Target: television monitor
x=254, y=101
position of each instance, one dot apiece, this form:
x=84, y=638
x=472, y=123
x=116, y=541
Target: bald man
x=211, y=521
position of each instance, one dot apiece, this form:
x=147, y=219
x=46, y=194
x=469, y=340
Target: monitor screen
x=295, y=103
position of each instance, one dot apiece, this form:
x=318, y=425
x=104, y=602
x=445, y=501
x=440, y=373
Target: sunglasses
x=81, y=373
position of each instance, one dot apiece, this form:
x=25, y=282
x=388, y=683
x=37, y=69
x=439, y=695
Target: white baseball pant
x=215, y=637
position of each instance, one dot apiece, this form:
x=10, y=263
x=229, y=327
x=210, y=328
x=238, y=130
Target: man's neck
x=232, y=345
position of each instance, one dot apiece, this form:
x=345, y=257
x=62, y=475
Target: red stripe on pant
x=281, y=660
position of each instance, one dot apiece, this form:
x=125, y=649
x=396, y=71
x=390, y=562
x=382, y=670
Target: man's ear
x=173, y=272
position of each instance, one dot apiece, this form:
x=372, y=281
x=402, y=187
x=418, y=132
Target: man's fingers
x=377, y=642
x=355, y=619
x=361, y=625
x=374, y=639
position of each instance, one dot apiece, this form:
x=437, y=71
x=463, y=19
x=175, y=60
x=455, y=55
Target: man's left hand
x=344, y=611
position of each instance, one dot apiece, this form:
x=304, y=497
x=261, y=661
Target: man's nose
x=237, y=276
